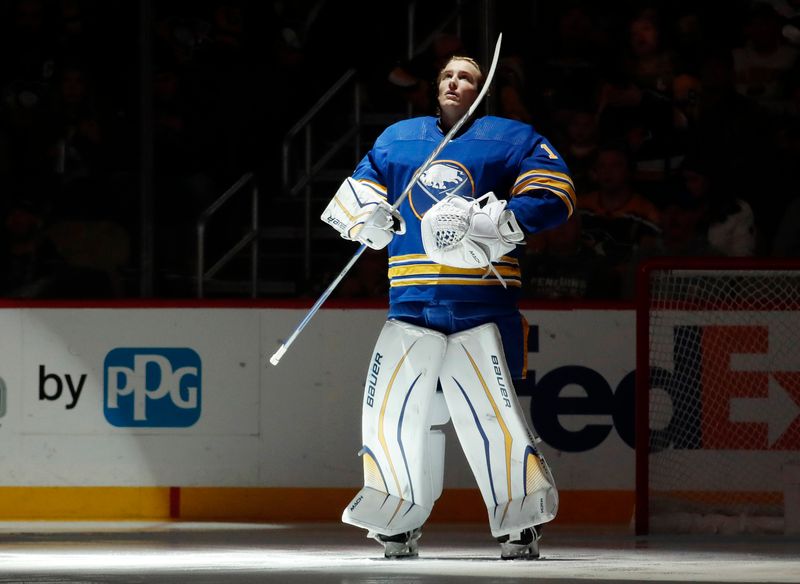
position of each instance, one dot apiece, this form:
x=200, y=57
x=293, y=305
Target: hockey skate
x=524, y=546
x=402, y=545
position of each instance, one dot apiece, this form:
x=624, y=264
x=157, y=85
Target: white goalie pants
x=403, y=451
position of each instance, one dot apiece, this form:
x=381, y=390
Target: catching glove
x=461, y=233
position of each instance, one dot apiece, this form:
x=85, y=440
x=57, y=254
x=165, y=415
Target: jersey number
x=550, y=153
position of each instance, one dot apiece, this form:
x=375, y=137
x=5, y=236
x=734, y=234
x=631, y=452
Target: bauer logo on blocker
x=149, y=387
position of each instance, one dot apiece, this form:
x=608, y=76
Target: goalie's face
x=459, y=84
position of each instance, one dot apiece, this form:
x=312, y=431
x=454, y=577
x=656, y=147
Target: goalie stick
x=276, y=357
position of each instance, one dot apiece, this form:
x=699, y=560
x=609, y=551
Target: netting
x=724, y=402
x=451, y=223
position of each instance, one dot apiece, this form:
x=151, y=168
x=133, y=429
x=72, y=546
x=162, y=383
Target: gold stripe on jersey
x=375, y=186
x=418, y=270
x=454, y=282
x=409, y=257
x=558, y=183
x=421, y=257
x=437, y=269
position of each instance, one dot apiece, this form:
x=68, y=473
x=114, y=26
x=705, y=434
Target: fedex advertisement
x=727, y=386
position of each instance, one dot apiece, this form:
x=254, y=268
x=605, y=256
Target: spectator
x=29, y=260
x=91, y=256
x=29, y=47
x=786, y=242
x=79, y=146
x=727, y=221
x=27, y=62
x=569, y=75
x=635, y=103
x=765, y=60
x=650, y=64
x=786, y=233
x=682, y=233
x=579, y=146
x=686, y=90
x=689, y=34
x=512, y=89
x=74, y=31
x=726, y=121
x=567, y=267
x=620, y=222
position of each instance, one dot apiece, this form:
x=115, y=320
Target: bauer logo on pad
x=152, y=387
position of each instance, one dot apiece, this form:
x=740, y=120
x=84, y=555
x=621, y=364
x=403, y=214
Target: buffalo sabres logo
x=442, y=178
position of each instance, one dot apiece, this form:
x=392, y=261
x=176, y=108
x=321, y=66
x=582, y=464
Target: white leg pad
x=403, y=459
x=514, y=479
x=382, y=513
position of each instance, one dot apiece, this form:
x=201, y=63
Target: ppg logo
x=152, y=387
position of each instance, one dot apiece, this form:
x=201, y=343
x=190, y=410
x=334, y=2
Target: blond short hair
x=469, y=60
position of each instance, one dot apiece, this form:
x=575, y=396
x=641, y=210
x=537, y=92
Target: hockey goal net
x=718, y=394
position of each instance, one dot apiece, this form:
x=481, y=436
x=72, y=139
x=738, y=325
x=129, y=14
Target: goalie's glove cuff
x=359, y=213
x=380, y=227
x=494, y=228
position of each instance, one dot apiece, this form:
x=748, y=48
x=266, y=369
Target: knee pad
x=402, y=457
x=515, y=481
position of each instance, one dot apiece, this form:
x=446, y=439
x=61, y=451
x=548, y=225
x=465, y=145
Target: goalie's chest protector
x=488, y=156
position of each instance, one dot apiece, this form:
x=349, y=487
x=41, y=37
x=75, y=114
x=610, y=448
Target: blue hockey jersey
x=494, y=154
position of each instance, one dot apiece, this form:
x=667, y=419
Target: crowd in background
x=680, y=122
x=681, y=125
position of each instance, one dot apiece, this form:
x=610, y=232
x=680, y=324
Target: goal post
x=717, y=393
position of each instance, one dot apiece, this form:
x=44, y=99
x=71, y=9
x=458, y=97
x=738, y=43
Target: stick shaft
x=276, y=357
x=313, y=310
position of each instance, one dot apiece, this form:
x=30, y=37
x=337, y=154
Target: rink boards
x=173, y=411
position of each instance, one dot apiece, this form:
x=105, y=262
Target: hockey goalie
x=454, y=341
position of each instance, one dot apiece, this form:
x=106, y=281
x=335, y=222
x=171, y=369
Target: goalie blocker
x=403, y=454
x=359, y=212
